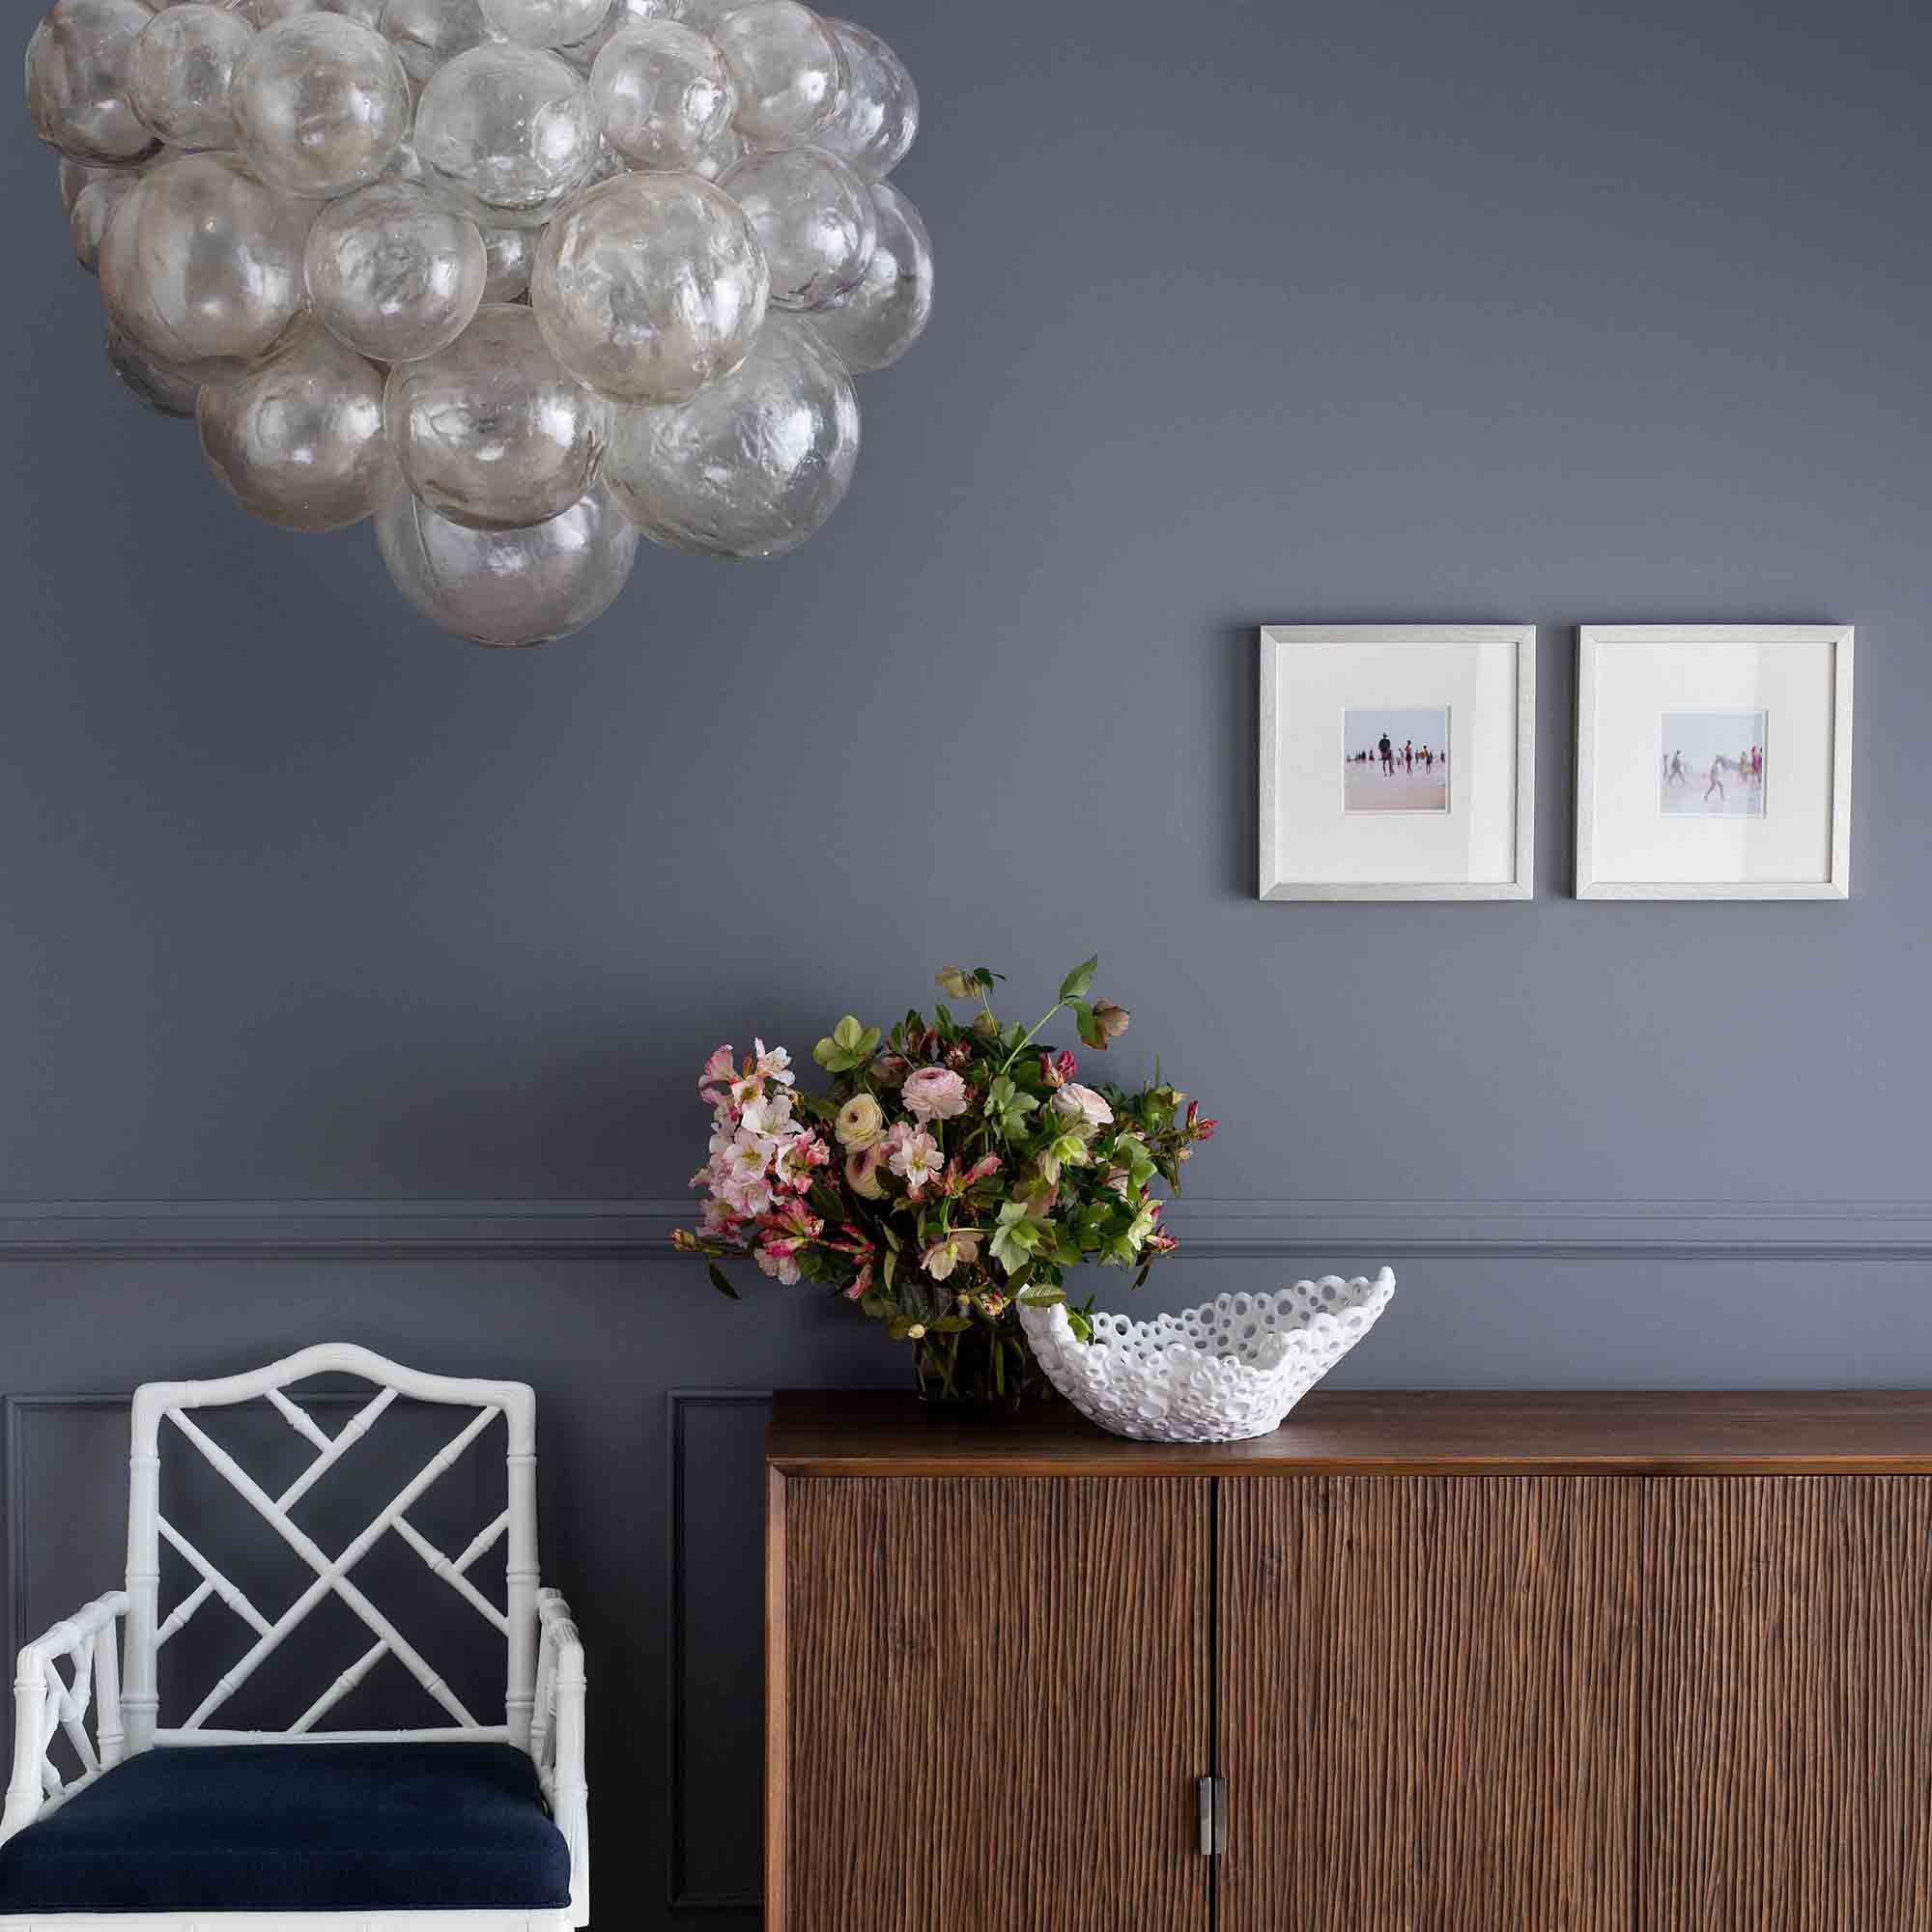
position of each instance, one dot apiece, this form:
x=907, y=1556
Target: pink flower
x=934, y=1093
x=916, y=1161
x=796, y=1159
x=1058, y=1068
x=775, y=1066
x=778, y=1260
x=769, y=1115
x=748, y=1197
x=947, y=1254
x=719, y=1070
x=747, y=1158
x=1083, y=1106
x=862, y=1284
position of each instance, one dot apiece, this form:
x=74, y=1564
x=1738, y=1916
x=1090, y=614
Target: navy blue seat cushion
x=296, y=1827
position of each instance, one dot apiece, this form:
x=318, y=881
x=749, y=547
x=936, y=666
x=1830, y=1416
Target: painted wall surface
x=352, y=982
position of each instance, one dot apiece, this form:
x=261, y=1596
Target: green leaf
x=878, y=1306
x=721, y=1284
x=848, y=1045
x=1038, y=1294
x=1079, y=983
x=949, y=1324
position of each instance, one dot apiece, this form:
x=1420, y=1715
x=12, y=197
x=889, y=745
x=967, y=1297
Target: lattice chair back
x=165, y=1413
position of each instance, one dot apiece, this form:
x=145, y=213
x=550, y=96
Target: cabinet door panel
x=1429, y=1704
x=998, y=1704
x=1790, y=1720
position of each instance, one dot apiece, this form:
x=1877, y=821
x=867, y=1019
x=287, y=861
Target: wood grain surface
x=1429, y=1704
x=1788, y=1694
x=997, y=1704
x=1407, y=1432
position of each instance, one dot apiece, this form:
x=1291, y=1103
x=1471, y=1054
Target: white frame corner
x=1593, y=639
x=1272, y=888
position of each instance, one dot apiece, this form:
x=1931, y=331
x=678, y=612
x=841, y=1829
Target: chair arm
x=556, y=1739
x=44, y=1702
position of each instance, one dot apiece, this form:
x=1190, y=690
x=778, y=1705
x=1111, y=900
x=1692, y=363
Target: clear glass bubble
x=269, y=12
x=650, y=286
x=509, y=254
x=887, y=313
x=753, y=464
x=78, y=175
x=721, y=156
x=427, y=33
x=77, y=64
x=395, y=274
x=583, y=55
x=813, y=217
x=202, y=265
x=492, y=431
x=508, y=588
x=663, y=94
x=299, y=441
x=322, y=103
x=876, y=117
x=545, y=23
x=161, y=389
x=788, y=68
x=180, y=72
x=706, y=14
x=93, y=209
x=511, y=130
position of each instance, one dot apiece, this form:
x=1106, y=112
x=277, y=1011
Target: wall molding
x=1233, y=1230
x=678, y=1403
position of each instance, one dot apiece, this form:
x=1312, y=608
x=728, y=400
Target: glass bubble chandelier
x=518, y=280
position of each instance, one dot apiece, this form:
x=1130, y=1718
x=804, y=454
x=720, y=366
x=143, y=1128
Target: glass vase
x=987, y=1369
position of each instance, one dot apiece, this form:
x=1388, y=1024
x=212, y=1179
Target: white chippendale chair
x=470, y=1827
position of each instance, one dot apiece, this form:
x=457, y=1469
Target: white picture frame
x=1791, y=685
x=1478, y=841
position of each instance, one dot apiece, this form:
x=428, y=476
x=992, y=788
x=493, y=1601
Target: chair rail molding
x=1234, y=1230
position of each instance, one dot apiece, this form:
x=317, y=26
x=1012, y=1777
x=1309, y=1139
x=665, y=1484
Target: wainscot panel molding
x=749, y=1411
x=1231, y=1230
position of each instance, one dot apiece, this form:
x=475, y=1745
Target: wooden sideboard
x=1447, y=1663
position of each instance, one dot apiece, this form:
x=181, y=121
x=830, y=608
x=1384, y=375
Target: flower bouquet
x=955, y=1168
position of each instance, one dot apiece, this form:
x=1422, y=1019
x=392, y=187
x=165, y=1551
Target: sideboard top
x=1409, y=1431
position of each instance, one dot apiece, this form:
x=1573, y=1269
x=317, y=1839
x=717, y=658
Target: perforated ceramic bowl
x=1220, y=1373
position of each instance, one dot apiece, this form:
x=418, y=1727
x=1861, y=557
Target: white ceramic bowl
x=1221, y=1373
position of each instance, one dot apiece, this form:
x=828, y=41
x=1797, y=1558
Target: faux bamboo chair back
x=165, y=1411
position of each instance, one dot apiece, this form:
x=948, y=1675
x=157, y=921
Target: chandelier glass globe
x=520, y=281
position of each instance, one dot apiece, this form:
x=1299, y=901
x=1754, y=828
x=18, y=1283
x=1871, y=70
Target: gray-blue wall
x=353, y=981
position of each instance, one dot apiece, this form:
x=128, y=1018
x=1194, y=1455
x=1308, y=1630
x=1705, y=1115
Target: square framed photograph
x=1398, y=761
x=1714, y=761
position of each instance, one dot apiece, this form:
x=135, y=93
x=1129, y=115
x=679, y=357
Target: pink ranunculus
x=935, y=1094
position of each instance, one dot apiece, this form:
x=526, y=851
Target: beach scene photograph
x=1712, y=764
x=1395, y=760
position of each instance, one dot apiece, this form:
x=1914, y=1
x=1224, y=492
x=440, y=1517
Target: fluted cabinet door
x=997, y=1704
x=1429, y=1704
x=1790, y=1704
